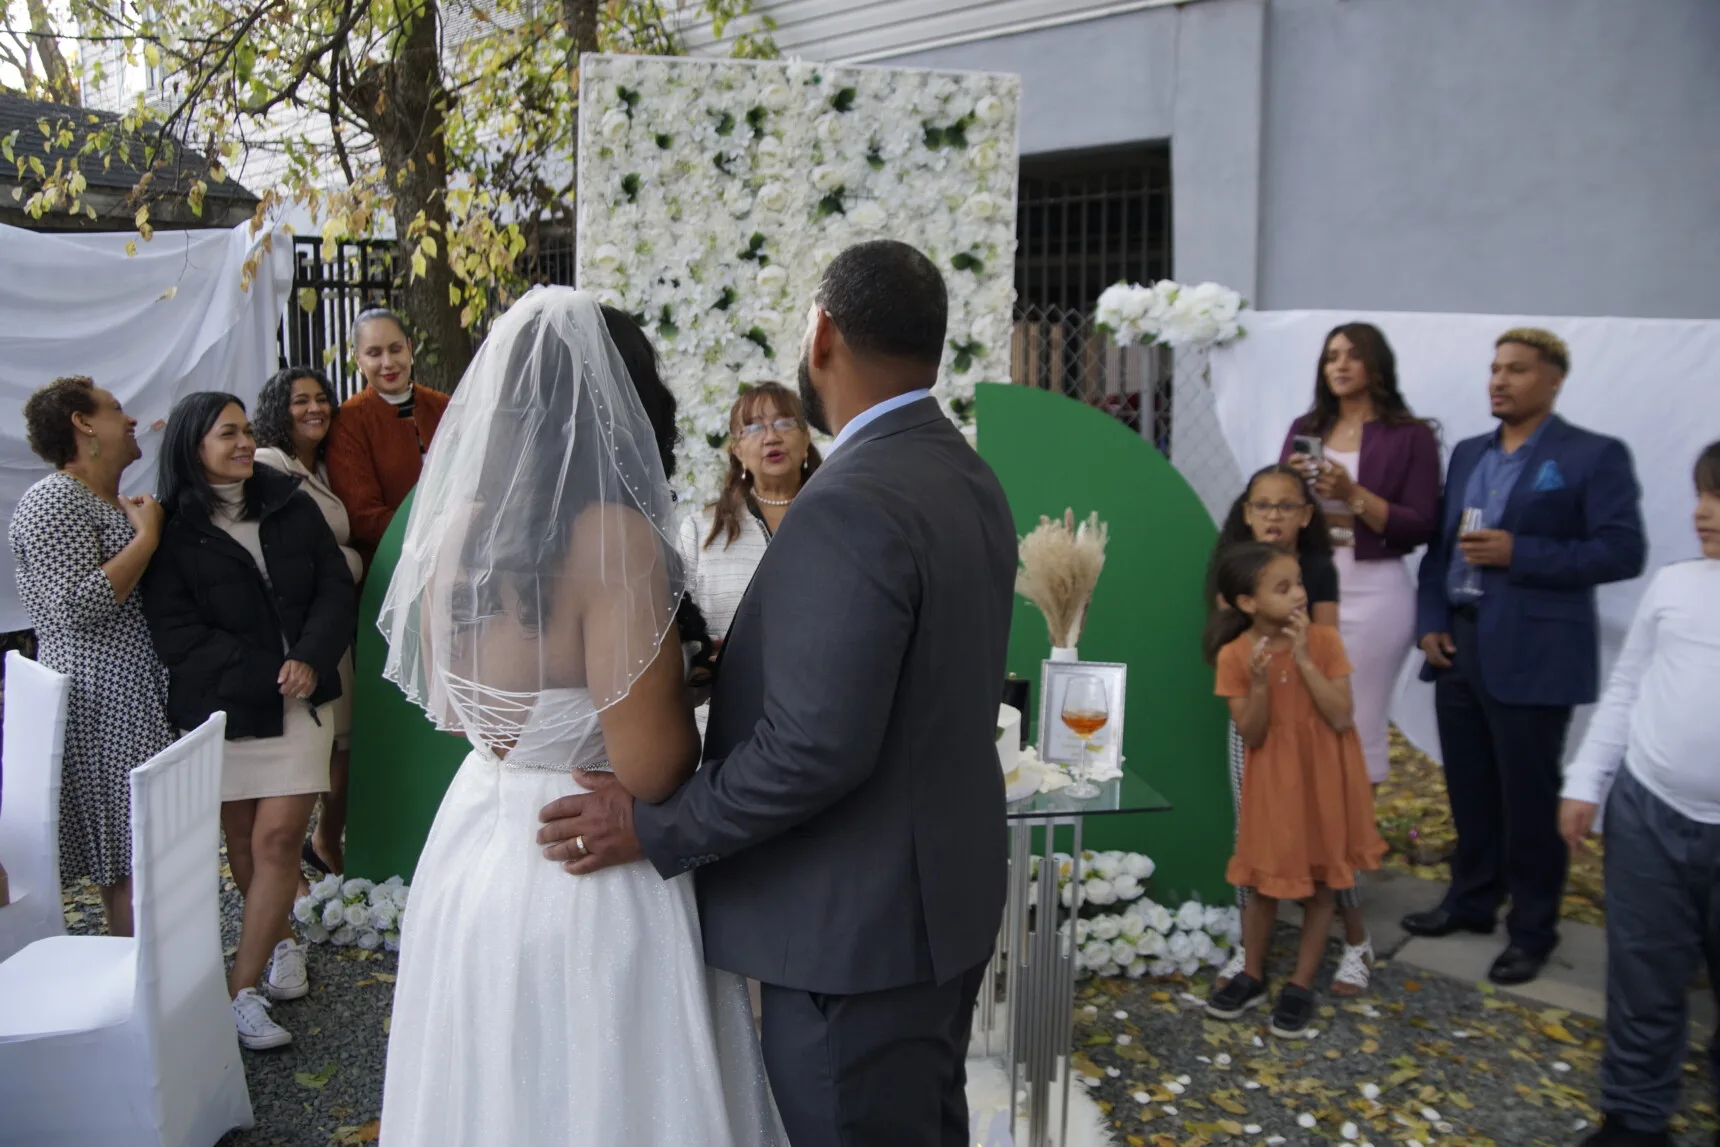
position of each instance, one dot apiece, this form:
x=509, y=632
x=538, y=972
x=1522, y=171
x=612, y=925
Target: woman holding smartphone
x=1375, y=468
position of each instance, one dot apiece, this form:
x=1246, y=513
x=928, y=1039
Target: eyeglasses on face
x=1276, y=509
x=781, y=426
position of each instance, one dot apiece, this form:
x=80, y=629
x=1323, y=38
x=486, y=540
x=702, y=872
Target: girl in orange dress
x=1307, y=821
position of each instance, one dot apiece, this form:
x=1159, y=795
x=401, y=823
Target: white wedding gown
x=537, y=1008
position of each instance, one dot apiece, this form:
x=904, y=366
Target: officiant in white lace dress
x=533, y=609
x=771, y=456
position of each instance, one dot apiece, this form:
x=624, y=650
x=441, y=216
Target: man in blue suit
x=1507, y=617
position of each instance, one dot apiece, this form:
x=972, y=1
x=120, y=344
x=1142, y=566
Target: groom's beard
x=811, y=405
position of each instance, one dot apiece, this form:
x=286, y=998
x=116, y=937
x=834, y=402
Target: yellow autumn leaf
x=1558, y=1032
x=1231, y=1106
x=1370, y=1046
x=420, y=265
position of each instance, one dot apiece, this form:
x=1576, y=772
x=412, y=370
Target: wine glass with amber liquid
x=1086, y=710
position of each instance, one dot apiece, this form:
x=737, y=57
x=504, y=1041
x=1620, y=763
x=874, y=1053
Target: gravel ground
x=1454, y=1063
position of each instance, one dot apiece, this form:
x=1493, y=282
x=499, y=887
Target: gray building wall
x=1525, y=156
x=1540, y=156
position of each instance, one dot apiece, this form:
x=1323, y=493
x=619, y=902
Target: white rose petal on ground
x=1305, y=1120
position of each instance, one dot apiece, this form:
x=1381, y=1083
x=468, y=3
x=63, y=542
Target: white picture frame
x=1057, y=743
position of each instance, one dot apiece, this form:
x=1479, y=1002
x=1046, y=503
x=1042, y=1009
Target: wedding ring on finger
x=579, y=843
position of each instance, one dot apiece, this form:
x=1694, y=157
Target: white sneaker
x=287, y=979
x=1232, y=969
x=1355, y=969
x=256, y=1030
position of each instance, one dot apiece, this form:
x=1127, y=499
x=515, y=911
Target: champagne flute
x=1474, y=518
x=1086, y=710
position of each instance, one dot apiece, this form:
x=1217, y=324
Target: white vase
x=1064, y=653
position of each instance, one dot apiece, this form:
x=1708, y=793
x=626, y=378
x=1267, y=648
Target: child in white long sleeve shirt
x=1660, y=719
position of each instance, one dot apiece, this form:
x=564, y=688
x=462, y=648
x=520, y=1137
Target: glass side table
x=1030, y=1025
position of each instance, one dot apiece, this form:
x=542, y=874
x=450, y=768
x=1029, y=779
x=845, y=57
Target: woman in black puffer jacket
x=250, y=605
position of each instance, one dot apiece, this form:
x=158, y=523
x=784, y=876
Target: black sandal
x=309, y=855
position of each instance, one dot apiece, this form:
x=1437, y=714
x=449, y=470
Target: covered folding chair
x=35, y=743
x=128, y=1043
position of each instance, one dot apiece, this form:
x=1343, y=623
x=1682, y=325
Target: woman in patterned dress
x=80, y=548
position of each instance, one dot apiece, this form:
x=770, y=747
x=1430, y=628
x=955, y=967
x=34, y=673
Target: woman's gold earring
x=745, y=477
x=95, y=447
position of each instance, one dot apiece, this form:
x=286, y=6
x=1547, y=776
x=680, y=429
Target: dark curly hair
x=48, y=418
x=273, y=421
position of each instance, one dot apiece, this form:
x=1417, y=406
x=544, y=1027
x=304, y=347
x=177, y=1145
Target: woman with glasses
x=1375, y=467
x=771, y=456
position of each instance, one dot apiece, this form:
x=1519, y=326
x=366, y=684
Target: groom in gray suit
x=847, y=827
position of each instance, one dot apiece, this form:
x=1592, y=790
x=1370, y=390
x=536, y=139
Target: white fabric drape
x=78, y=304
x=1655, y=383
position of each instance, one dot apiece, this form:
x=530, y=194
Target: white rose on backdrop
x=738, y=199
x=776, y=95
x=1163, y=966
x=1136, y=865
x=333, y=914
x=391, y=941
x=1107, y=927
x=357, y=886
x=356, y=915
x=985, y=156
x=827, y=178
x=1127, y=887
x=316, y=933
x=1217, y=919
x=610, y=297
x=1101, y=892
x=1123, y=952
x=343, y=936
x=1191, y=915
x=941, y=87
x=1180, y=946
x=1133, y=926
x=369, y=939
x=607, y=257
x=823, y=255
x=990, y=110
x=828, y=128
x=1072, y=894
x=1152, y=944
x=771, y=154
x=868, y=216
x=979, y=207
x=613, y=125
x=304, y=910
x=770, y=321
x=1096, y=954
x=1189, y=967
x=1106, y=865
x=772, y=279
x=799, y=71
x=383, y=916
x=1219, y=954
x=1200, y=945
x=1137, y=969
x=1083, y=930
x=327, y=888
x=774, y=196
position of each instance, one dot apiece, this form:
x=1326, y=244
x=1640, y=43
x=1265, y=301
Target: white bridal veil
x=537, y=555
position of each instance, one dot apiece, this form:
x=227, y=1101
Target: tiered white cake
x=1009, y=741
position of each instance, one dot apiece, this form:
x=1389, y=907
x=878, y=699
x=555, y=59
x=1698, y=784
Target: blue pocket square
x=1549, y=477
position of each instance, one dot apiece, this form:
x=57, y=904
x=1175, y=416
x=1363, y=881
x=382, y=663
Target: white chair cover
x=131, y=1043
x=35, y=743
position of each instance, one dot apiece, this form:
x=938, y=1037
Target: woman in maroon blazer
x=1376, y=470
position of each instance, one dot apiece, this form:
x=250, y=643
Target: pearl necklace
x=764, y=501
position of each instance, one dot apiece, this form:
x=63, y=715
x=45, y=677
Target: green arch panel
x=401, y=764
x=1050, y=452
x=1053, y=453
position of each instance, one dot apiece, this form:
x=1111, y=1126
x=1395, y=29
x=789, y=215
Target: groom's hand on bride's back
x=592, y=830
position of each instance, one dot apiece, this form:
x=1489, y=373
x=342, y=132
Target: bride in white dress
x=533, y=610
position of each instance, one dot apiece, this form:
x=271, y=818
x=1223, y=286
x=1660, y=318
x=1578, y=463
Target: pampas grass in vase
x=1060, y=565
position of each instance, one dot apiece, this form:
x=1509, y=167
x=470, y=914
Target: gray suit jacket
x=847, y=825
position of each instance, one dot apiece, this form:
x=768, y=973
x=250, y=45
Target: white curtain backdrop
x=78, y=304
x=1655, y=383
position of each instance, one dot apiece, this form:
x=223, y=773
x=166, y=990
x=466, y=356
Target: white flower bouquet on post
x=1168, y=312
x=353, y=913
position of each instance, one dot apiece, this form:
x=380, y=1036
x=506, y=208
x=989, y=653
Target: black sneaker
x=1295, y=1011
x=1240, y=994
x=1615, y=1134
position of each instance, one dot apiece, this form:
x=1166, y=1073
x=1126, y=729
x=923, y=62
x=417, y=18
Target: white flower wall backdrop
x=713, y=194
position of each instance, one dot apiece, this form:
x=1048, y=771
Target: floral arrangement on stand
x=1119, y=930
x=713, y=194
x=353, y=913
x=1060, y=566
x=1168, y=312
